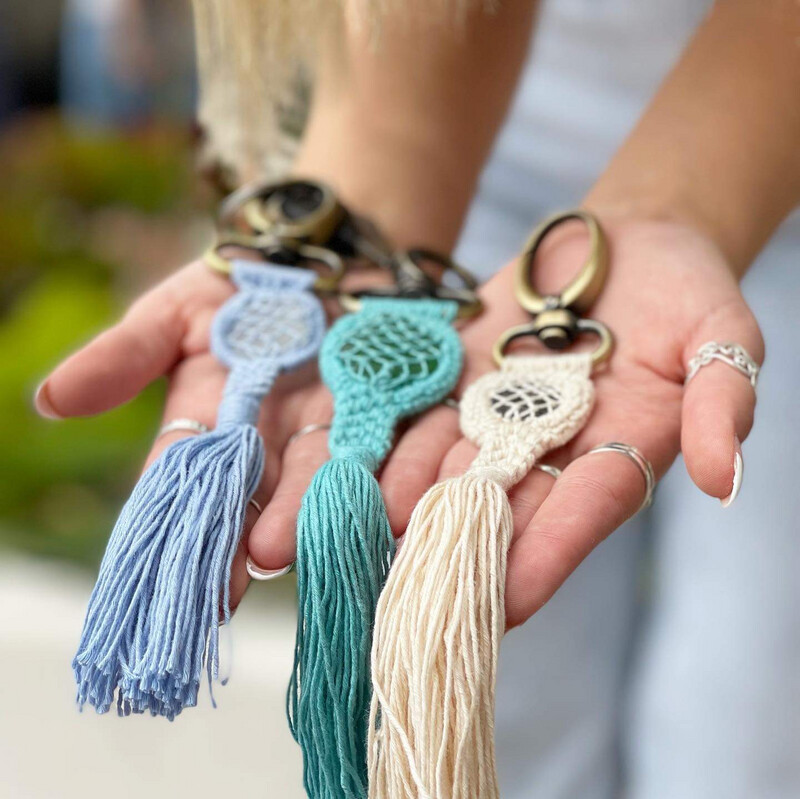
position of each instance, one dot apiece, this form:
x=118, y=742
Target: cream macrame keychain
x=441, y=615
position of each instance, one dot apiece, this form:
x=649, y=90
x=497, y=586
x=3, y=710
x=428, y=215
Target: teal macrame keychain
x=391, y=359
x=153, y=617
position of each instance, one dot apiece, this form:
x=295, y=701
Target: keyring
x=412, y=281
x=274, y=251
x=304, y=210
x=557, y=319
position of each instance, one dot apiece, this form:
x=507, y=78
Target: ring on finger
x=256, y=572
x=309, y=428
x=642, y=464
x=183, y=425
x=728, y=352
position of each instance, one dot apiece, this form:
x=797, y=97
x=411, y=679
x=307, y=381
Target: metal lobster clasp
x=557, y=318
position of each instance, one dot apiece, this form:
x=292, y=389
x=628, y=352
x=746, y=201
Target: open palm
x=669, y=291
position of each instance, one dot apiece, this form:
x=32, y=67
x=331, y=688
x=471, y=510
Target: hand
x=669, y=291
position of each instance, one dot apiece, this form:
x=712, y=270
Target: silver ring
x=264, y=575
x=729, y=353
x=184, y=425
x=304, y=431
x=450, y=402
x=644, y=466
x=255, y=504
x=256, y=572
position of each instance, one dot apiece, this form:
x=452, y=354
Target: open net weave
x=532, y=405
x=273, y=324
x=393, y=359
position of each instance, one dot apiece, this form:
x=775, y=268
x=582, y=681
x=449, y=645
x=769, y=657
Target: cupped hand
x=669, y=291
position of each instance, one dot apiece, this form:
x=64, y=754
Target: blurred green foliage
x=63, y=482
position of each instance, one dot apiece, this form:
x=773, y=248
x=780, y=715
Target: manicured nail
x=738, y=474
x=41, y=401
x=262, y=575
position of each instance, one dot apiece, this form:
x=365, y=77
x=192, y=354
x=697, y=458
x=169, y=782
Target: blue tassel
x=153, y=618
x=345, y=546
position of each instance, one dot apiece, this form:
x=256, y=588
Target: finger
x=594, y=495
x=194, y=392
x=272, y=542
x=717, y=414
x=240, y=579
x=413, y=466
x=120, y=362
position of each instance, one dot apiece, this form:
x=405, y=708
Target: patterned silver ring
x=183, y=425
x=644, y=466
x=304, y=431
x=728, y=352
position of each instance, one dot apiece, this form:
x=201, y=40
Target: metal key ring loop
x=599, y=355
x=269, y=248
x=268, y=208
x=580, y=294
x=413, y=282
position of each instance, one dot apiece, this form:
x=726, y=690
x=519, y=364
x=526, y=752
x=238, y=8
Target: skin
x=693, y=194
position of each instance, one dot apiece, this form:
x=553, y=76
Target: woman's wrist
x=391, y=176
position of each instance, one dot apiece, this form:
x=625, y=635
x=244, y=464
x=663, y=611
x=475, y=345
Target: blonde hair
x=256, y=61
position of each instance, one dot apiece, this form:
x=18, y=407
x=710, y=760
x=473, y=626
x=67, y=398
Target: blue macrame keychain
x=391, y=359
x=153, y=618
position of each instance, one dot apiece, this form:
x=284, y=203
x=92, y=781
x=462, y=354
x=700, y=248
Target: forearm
x=719, y=146
x=402, y=129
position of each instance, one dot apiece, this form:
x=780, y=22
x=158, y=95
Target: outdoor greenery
x=75, y=213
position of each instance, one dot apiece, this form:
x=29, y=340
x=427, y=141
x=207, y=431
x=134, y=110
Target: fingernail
x=738, y=474
x=263, y=575
x=41, y=401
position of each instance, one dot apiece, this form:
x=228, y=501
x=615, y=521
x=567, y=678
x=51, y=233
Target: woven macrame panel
x=522, y=401
x=391, y=351
x=532, y=405
x=393, y=358
x=274, y=319
x=269, y=326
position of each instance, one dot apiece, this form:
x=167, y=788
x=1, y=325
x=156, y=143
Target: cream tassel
x=441, y=615
x=439, y=624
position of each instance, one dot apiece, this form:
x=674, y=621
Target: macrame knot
x=495, y=474
x=367, y=457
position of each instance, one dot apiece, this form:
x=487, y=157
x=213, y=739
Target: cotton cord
x=441, y=615
x=152, y=625
x=392, y=359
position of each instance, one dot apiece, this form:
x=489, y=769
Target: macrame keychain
x=153, y=617
x=441, y=615
x=393, y=357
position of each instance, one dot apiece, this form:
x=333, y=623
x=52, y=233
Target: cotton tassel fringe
x=344, y=546
x=439, y=623
x=153, y=617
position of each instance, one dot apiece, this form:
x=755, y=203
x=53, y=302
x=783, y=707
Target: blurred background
x=100, y=197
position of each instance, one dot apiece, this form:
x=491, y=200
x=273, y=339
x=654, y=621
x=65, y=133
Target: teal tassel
x=394, y=358
x=345, y=545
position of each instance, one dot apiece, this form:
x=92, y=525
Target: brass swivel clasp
x=421, y=273
x=558, y=318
